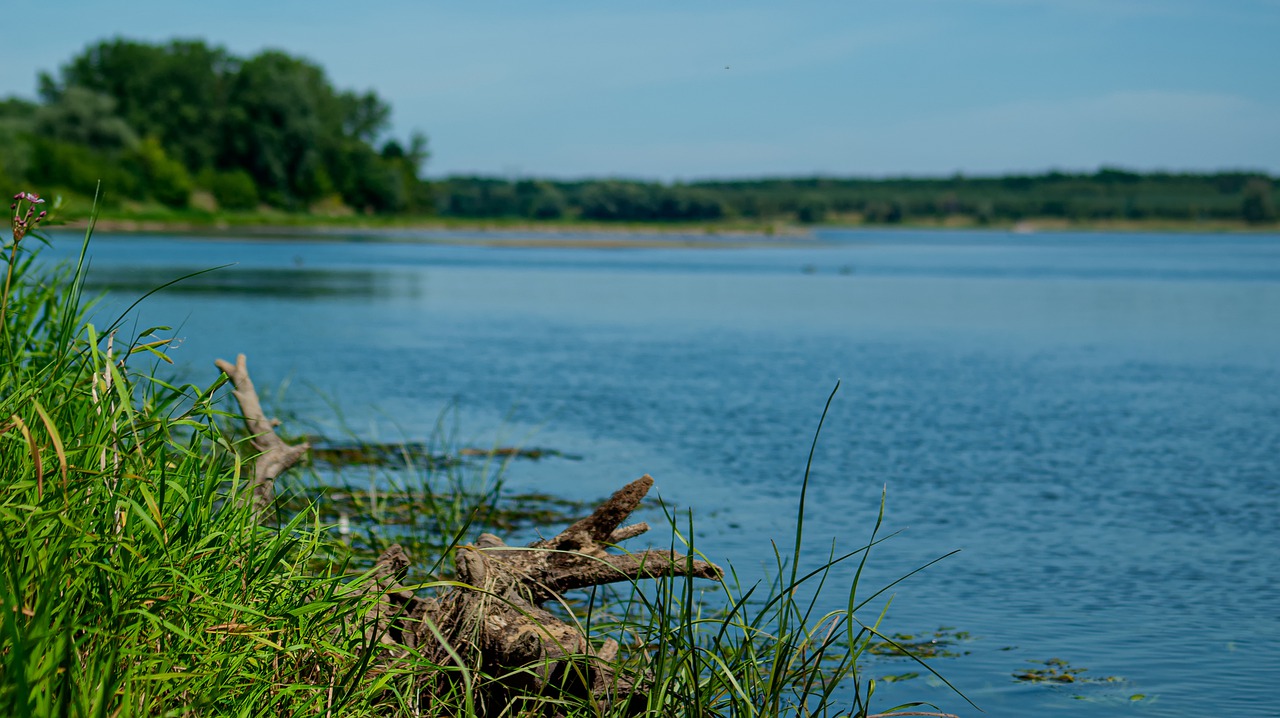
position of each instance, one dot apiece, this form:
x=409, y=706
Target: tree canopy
x=184, y=114
x=1108, y=194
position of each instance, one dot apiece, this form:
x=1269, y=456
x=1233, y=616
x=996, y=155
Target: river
x=1093, y=419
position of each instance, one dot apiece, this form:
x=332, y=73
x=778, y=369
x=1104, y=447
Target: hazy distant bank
x=548, y=232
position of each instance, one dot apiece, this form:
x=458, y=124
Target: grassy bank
x=137, y=582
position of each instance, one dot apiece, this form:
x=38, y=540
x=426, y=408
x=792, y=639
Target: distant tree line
x=163, y=121
x=1108, y=194
x=186, y=124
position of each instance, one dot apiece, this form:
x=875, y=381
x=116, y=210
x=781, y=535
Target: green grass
x=130, y=585
x=133, y=585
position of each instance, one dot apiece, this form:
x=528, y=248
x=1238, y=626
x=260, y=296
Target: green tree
x=370, y=182
x=275, y=124
x=884, y=211
x=234, y=190
x=176, y=92
x=1258, y=205
x=408, y=162
x=541, y=200
x=812, y=210
x=614, y=200
x=17, y=118
x=301, y=140
x=275, y=116
x=161, y=177
x=55, y=163
x=84, y=117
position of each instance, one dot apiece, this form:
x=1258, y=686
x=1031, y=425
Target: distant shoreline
x=547, y=235
x=624, y=234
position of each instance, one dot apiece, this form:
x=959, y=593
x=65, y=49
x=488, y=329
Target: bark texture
x=497, y=623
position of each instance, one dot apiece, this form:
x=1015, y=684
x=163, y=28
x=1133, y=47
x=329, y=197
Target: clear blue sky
x=686, y=90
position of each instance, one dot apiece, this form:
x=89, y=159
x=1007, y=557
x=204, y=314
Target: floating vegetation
x=1059, y=673
x=404, y=508
x=939, y=644
x=404, y=455
x=1057, y=670
x=918, y=646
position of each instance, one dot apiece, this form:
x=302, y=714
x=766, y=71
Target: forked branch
x=274, y=455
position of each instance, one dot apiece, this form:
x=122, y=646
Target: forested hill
x=196, y=131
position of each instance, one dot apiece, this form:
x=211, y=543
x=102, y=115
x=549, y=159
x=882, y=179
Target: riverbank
x=541, y=232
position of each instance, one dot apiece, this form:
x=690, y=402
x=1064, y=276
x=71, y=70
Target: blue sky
x=693, y=90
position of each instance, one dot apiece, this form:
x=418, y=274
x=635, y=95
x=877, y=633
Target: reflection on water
x=1091, y=418
x=298, y=283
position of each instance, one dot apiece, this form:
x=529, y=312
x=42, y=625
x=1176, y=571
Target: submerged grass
x=132, y=586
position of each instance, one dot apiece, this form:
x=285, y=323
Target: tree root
x=493, y=622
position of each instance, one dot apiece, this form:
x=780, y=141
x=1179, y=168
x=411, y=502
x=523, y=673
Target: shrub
x=1258, y=206
x=235, y=190
x=812, y=210
x=162, y=177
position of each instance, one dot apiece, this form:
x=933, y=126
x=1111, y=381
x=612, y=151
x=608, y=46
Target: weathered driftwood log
x=495, y=623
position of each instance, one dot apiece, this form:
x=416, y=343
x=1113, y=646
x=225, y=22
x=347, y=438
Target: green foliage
x=812, y=211
x=406, y=163
x=274, y=116
x=84, y=117
x=274, y=127
x=369, y=182
x=16, y=123
x=132, y=584
x=883, y=211
x=175, y=92
x=1109, y=194
x=76, y=167
x=542, y=200
x=233, y=190
x=479, y=197
x=1258, y=205
x=636, y=201
x=163, y=178
x=301, y=140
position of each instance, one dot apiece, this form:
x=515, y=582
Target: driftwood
x=275, y=456
x=494, y=624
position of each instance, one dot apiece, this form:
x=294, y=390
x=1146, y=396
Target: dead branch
x=498, y=622
x=274, y=455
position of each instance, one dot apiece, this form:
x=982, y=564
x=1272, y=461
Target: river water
x=1093, y=419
